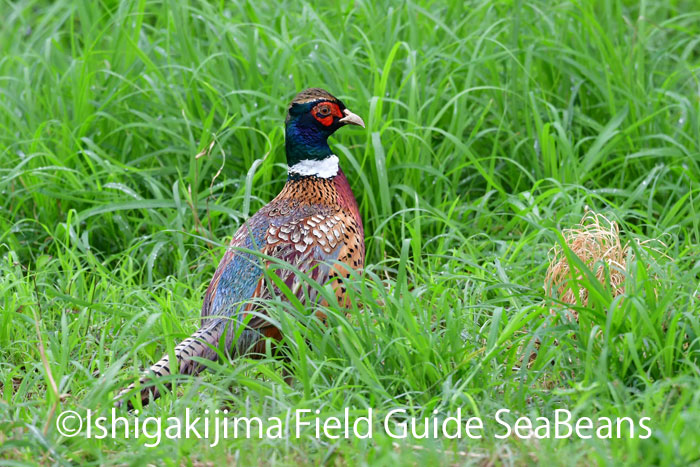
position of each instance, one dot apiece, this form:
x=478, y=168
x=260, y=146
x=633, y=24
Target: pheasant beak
x=352, y=119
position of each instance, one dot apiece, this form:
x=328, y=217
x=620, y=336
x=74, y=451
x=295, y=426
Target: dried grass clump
x=596, y=241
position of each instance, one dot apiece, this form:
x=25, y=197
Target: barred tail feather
x=201, y=344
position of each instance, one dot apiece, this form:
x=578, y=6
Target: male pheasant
x=313, y=224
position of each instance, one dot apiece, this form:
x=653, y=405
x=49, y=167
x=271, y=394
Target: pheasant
x=313, y=224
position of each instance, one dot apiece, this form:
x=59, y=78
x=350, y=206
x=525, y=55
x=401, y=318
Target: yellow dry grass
x=596, y=242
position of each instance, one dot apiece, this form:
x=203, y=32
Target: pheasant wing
x=311, y=244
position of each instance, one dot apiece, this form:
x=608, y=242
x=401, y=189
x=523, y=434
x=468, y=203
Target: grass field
x=491, y=126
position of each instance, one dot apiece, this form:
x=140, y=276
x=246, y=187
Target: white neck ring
x=324, y=168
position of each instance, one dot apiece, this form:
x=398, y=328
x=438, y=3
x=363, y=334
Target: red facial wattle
x=325, y=111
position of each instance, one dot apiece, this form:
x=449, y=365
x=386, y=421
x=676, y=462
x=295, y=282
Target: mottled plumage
x=313, y=224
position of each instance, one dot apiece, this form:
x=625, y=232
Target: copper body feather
x=313, y=224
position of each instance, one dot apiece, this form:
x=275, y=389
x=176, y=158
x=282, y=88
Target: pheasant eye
x=324, y=110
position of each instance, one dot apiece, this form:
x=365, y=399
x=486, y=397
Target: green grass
x=490, y=127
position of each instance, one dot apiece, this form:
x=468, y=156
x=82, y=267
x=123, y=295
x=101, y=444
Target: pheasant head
x=314, y=115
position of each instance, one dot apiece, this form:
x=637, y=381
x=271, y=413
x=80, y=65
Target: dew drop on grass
x=536, y=146
x=153, y=256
